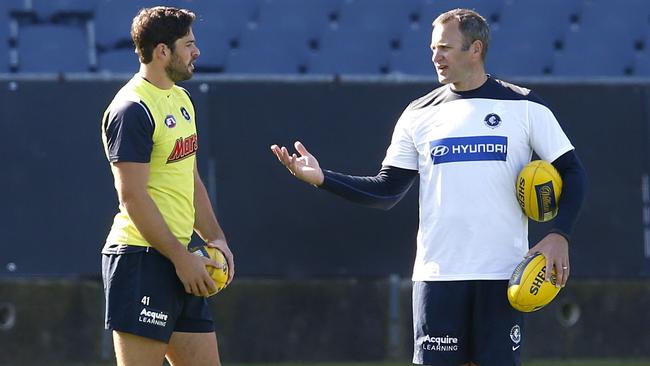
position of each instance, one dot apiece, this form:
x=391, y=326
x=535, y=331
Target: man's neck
x=156, y=77
x=473, y=81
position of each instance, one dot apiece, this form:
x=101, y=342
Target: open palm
x=305, y=167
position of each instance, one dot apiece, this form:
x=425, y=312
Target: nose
x=436, y=56
x=197, y=51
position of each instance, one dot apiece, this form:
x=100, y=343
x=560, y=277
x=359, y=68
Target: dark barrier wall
x=58, y=199
x=266, y=321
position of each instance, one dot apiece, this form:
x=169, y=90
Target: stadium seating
x=113, y=21
x=123, y=60
x=277, y=52
x=523, y=44
x=65, y=51
x=606, y=36
x=218, y=27
x=370, y=37
x=350, y=52
x=309, y=18
x=379, y=18
x=53, y=9
x=413, y=54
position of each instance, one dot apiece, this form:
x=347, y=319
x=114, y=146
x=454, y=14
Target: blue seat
x=386, y=18
x=214, y=47
x=66, y=49
x=642, y=64
x=119, y=61
x=524, y=45
x=218, y=27
x=587, y=55
x=631, y=17
x=270, y=52
x=512, y=54
x=352, y=52
x=45, y=9
x=310, y=18
x=606, y=38
x=5, y=8
x=489, y=9
x=414, y=54
x=222, y=18
x=113, y=20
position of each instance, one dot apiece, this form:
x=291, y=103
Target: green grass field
x=580, y=362
x=584, y=362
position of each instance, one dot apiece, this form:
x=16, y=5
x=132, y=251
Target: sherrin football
x=527, y=289
x=219, y=275
x=539, y=186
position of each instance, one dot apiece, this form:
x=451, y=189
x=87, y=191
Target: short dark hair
x=156, y=25
x=472, y=26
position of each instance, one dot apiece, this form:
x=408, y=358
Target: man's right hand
x=191, y=270
x=305, y=167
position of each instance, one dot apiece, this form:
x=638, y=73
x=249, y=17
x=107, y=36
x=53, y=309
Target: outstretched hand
x=305, y=167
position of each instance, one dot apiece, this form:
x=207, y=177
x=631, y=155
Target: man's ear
x=477, y=47
x=161, y=50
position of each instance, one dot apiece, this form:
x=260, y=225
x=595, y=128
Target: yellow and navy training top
x=145, y=124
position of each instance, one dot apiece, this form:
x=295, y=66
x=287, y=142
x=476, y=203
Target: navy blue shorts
x=144, y=296
x=457, y=322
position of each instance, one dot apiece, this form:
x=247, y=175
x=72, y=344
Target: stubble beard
x=176, y=70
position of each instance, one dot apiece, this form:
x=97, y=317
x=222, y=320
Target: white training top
x=469, y=148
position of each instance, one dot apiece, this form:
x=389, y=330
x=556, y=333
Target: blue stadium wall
x=59, y=200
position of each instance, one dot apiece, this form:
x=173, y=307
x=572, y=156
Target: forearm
x=382, y=191
x=205, y=221
x=150, y=223
x=574, y=187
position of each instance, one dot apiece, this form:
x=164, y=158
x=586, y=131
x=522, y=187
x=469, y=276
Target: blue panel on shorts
x=457, y=322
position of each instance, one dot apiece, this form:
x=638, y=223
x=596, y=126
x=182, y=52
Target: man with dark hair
x=155, y=288
x=467, y=140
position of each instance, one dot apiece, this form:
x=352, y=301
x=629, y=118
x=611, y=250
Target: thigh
x=143, y=294
x=190, y=349
x=441, y=312
x=195, y=316
x=133, y=350
x=497, y=328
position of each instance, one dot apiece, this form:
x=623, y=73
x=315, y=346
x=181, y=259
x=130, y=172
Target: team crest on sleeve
x=170, y=121
x=186, y=114
x=492, y=120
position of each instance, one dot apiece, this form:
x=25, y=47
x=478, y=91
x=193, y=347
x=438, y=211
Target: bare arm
x=131, y=183
x=206, y=223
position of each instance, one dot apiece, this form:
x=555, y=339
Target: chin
x=443, y=79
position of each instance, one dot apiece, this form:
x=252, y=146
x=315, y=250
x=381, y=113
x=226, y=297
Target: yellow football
x=219, y=274
x=539, y=186
x=527, y=289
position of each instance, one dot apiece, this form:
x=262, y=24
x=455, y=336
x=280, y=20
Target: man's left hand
x=556, y=250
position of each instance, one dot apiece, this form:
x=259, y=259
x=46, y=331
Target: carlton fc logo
x=185, y=114
x=170, y=121
x=492, y=120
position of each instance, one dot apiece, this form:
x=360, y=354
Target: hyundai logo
x=439, y=150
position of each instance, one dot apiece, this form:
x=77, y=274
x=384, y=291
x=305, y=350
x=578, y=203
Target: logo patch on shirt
x=471, y=148
x=183, y=148
x=170, y=121
x=492, y=120
x=186, y=114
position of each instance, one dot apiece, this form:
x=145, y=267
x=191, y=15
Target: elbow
x=385, y=205
x=130, y=197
